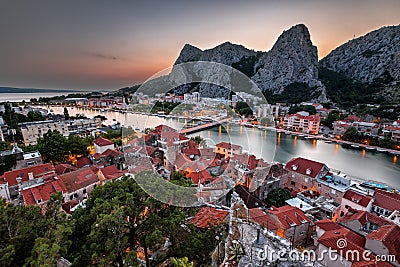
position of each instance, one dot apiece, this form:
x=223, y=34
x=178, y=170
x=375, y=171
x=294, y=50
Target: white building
x=300, y=123
x=102, y=144
x=32, y=131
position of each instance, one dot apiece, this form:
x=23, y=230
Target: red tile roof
x=103, y=142
x=79, y=179
x=389, y=235
x=309, y=118
x=305, y=166
x=209, y=217
x=353, y=242
x=262, y=218
x=83, y=161
x=201, y=177
x=111, y=172
x=42, y=193
x=357, y=198
x=191, y=151
x=63, y=168
x=287, y=216
x=328, y=225
x=111, y=153
x=363, y=217
x=38, y=171
x=228, y=146
x=387, y=200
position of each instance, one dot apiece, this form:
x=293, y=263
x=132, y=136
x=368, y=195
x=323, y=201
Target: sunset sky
x=110, y=44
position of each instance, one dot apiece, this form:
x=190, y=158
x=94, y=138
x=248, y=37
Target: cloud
x=99, y=55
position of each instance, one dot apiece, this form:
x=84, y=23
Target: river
x=272, y=146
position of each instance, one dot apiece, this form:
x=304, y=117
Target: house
x=362, y=222
x=292, y=224
x=385, y=241
x=64, y=168
x=264, y=180
x=79, y=183
x=11, y=181
x=333, y=186
x=109, y=173
x=228, y=149
x=261, y=218
x=249, y=198
x=299, y=123
x=385, y=203
x=302, y=174
x=40, y=193
x=347, y=248
x=102, y=144
x=353, y=200
x=209, y=217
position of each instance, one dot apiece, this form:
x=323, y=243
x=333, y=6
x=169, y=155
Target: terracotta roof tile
x=387, y=200
x=79, y=179
x=37, y=171
x=305, y=166
x=357, y=198
x=262, y=218
x=103, y=142
x=209, y=217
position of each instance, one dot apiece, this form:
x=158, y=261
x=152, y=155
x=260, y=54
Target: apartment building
x=300, y=123
x=32, y=131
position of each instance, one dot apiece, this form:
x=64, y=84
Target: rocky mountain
x=293, y=59
x=368, y=57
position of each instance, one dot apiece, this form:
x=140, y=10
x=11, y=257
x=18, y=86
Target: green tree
x=53, y=147
x=351, y=134
x=5, y=146
x=199, y=140
x=277, y=197
x=77, y=145
x=9, y=161
x=182, y=262
x=66, y=113
x=35, y=116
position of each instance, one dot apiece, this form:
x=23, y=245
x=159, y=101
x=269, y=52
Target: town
x=254, y=207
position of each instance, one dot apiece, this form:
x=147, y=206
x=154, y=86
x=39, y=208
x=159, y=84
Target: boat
x=355, y=146
x=396, y=153
x=287, y=132
x=381, y=150
x=311, y=137
x=374, y=185
x=302, y=135
x=328, y=141
x=370, y=148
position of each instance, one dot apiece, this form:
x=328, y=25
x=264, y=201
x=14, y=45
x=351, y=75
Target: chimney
x=30, y=175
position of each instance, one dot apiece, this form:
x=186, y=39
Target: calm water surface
x=274, y=146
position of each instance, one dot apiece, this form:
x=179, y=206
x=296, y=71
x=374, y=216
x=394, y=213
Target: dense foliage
x=346, y=92
x=119, y=220
x=277, y=197
x=294, y=93
x=56, y=148
x=307, y=108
